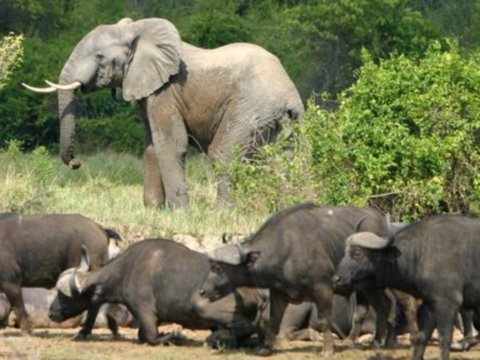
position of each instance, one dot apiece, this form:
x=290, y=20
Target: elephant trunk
x=67, y=111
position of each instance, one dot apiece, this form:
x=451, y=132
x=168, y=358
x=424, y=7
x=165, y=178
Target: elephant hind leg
x=240, y=138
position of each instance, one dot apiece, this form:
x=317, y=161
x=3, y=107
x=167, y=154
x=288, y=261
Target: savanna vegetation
x=392, y=89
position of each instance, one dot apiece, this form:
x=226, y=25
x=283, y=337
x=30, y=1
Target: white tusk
x=39, y=90
x=72, y=86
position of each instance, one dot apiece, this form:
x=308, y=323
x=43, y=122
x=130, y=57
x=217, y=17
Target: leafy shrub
x=11, y=52
x=405, y=138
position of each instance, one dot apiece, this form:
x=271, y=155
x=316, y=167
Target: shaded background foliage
x=401, y=75
x=318, y=41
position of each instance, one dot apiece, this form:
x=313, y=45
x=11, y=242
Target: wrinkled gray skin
x=157, y=280
x=238, y=94
x=37, y=302
x=36, y=249
x=294, y=254
x=435, y=259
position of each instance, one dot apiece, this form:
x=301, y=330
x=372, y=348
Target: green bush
x=11, y=53
x=405, y=138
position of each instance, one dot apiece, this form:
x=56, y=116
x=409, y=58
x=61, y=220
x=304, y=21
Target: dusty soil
x=57, y=344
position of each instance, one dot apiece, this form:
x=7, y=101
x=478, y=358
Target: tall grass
x=108, y=188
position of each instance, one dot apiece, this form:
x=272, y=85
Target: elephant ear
x=156, y=57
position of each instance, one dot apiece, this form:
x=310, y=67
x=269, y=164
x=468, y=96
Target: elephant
x=236, y=96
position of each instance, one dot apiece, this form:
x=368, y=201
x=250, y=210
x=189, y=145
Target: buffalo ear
x=85, y=260
x=156, y=57
x=391, y=252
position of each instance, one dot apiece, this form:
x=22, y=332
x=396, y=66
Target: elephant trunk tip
x=74, y=164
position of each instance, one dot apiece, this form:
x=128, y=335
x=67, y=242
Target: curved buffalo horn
x=230, y=254
x=357, y=227
x=68, y=283
x=74, y=85
x=368, y=240
x=390, y=228
x=39, y=90
x=224, y=238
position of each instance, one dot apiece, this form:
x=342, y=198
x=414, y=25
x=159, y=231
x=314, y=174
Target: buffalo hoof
x=349, y=343
x=221, y=339
x=375, y=344
x=327, y=353
x=464, y=345
x=264, y=351
x=82, y=336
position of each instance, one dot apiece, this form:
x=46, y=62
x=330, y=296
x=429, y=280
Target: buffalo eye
x=355, y=253
x=216, y=268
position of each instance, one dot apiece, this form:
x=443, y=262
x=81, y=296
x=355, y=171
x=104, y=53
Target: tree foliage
x=11, y=52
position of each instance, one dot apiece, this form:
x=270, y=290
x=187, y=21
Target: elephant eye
x=99, y=56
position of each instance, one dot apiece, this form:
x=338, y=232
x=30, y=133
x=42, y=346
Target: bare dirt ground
x=57, y=344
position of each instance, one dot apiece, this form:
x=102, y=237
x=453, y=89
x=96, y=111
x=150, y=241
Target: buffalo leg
x=13, y=291
x=323, y=302
x=409, y=305
x=112, y=325
x=359, y=314
x=445, y=317
x=278, y=304
x=89, y=322
x=148, y=331
x=426, y=323
x=384, y=309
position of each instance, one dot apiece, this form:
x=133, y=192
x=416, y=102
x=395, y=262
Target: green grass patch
x=109, y=189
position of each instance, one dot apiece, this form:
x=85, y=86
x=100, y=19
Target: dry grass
x=56, y=344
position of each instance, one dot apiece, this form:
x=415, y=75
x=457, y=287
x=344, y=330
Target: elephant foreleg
x=153, y=193
x=170, y=143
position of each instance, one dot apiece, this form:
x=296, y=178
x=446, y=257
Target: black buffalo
x=294, y=254
x=34, y=250
x=435, y=259
x=157, y=280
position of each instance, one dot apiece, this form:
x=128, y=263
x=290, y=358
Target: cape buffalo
x=157, y=280
x=434, y=259
x=294, y=254
x=35, y=250
x=37, y=302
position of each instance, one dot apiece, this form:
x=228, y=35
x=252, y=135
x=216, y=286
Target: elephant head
x=137, y=56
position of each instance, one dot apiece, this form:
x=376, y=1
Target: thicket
x=406, y=138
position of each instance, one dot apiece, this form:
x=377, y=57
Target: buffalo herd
x=308, y=273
